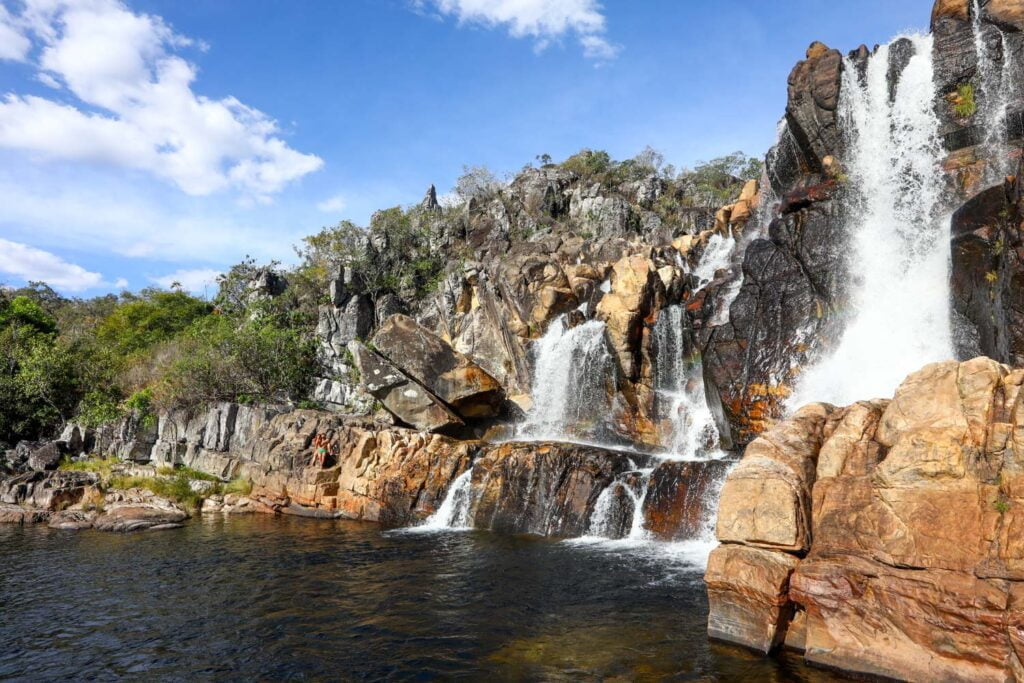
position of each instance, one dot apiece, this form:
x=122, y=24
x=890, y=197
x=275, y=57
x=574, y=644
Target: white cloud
x=29, y=263
x=14, y=45
x=542, y=20
x=332, y=204
x=66, y=212
x=142, y=112
x=197, y=281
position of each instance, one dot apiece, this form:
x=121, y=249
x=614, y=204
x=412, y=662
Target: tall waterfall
x=899, y=262
x=574, y=371
x=996, y=80
x=679, y=383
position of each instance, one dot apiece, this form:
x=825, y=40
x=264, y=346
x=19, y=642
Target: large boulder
x=432, y=362
x=404, y=397
x=813, y=101
x=636, y=291
x=154, y=513
x=908, y=561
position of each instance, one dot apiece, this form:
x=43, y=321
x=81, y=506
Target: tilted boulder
x=432, y=362
x=404, y=397
x=635, y=290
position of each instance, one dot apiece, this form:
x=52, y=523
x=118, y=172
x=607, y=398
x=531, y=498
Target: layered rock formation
x=882, y=537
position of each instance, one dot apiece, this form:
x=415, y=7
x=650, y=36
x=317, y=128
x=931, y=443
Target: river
x=287, y=598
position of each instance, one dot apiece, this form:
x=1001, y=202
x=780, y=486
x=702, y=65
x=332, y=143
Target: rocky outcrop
x=885, y=532
x=548, y=489
x=374, y=472
x=988, y=274
x=403, y=396
x=449, y=375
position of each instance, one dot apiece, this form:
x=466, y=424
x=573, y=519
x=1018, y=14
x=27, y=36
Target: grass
x=181, y=470
x=964, y=105
x=1001, y=506
x=101, y=466
x=240, y=486
x=175, y=488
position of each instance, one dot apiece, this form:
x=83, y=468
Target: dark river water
x=265, y=598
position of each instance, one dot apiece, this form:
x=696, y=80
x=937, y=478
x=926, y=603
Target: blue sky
x=155, y=140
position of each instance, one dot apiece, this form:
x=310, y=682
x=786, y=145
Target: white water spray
x=995, y=83
x=679, y=383
x=455, y=509
x=573, y=372
x=900, y=317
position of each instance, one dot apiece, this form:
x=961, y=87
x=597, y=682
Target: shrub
x=963, y=101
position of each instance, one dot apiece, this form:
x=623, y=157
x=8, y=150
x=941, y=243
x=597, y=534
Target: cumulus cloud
x=136, y=107
x=14, y=45
x=332, y=204
x=542, y=20
x=29, y=263
x=197, y=281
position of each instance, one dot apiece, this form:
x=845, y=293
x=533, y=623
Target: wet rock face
x=793, y=281
x=811, y=110
x=892, y=527
x=988, y=274
x=678, y=497
x=541, y=488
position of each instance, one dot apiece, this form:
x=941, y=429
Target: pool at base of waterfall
x=274, y=598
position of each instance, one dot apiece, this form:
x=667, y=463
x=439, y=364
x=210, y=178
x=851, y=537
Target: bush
x=964, y=105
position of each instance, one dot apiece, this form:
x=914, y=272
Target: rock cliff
x=882, y=537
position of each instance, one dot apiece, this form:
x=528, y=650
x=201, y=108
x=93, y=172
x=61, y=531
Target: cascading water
x=995, y=83
x=717, y=255
x=574, y=370
x=681, y=400
x=679, y=383
x=900, y=317
x=454, y=512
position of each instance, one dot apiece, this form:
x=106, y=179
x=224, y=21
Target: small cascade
x=679, y=386
x=618, y=512
x=455, y=509
x=717, y=255
x=899, y=260
x=573, y=376
x=996, y=81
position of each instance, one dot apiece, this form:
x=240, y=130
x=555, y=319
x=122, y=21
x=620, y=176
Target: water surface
x=285, y=598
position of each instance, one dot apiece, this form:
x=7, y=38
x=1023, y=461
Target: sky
x=146, y=142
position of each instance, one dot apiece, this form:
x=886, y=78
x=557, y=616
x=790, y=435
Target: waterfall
x=454, y=512
x=996, y=81
x=572, y=380
x=899, y=261
x=717, y=255
x=679, y=387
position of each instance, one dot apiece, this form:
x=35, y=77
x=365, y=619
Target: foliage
x=237, y=486
x=964, y=105
x=477, y=182
x=101, y=466
x=176, y=488
x=718, y=182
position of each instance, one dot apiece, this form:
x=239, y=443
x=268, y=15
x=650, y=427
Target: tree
x=476, y=182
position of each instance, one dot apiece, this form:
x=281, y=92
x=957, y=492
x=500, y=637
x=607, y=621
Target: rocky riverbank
x=883, y=537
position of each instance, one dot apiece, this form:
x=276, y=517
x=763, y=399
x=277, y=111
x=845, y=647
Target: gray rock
x=405, y=398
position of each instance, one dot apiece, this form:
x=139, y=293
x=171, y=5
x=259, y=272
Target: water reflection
x=284, y=598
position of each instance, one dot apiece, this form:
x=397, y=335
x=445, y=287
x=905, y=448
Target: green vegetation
x=100, y=359
x=239, y=486
x=101, y=466
x=177, y=488
x=963, y=102
x=1001, y=506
